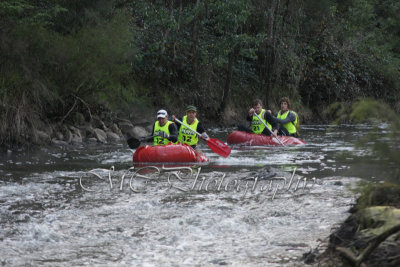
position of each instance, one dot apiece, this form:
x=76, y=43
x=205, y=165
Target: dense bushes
x=46, y=70
x=62, y=55
x=354, y=55
x=220, y=52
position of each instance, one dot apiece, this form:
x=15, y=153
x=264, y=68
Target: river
x=68, y=206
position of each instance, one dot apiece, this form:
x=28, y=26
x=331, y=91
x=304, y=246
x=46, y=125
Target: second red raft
x=168, y=153
x=250, y=139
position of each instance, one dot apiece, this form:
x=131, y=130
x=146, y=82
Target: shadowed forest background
x=87, y=55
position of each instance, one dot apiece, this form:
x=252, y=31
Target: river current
x=261, y=206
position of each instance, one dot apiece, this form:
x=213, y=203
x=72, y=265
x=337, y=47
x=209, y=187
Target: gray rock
x=76, y=139
x=114, y=128
x=42, y=136
x=89, y=130
x=59, y=136
x=58, y=142
x=98, y=123
x=125, y=126
x=67, y=135
x=100, y=135
x=112, y=136
x=75, y=131
x=48, y=129
x=149, y=128
x=140, y=120
x=139, y=131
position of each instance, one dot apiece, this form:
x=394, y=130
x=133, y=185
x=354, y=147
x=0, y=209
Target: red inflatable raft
x=168, y=153
x=250, y=139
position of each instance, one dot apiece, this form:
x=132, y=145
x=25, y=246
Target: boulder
x=100, y=135
x=141, y=120
x=76, y=131
x=125, y=126
x=89, y=130
x=76, y=139
x=48, y=129
x=59, y=135
x=42, y=137
x=112, y=136
x=114, y=128
x=67, y=134
x=98, y=123
x=149, y=128
x=139, y=131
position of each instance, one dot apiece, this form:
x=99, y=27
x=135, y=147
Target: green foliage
x=45, y=72
x=373, y=111
x=184, y=48
x=384, y=194
x=207, y=53
x=338, y=112
x=318, y=52
x=353, y=55
x=93, y=63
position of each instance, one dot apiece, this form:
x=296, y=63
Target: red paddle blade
x=219, y=147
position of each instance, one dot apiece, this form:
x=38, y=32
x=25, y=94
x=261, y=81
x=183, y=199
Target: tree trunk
x=229, y=74
x=161, y=61
x=178, y=28
x=267, y=54
x=195, y=42
x=271, y=52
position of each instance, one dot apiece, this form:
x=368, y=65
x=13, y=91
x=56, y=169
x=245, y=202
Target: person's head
x=284, y=103
x=162, y=117
x=191, y=112
x=257, y=105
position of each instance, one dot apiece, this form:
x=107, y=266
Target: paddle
x=268, y=128
x=135, y=143
x=214, y=144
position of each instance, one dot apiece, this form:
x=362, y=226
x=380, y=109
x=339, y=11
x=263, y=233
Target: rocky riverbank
x=103, y=128
x=370, y=236
x=102, y=125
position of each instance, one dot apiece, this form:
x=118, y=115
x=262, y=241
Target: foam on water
x=164, y=226
x=46, y=217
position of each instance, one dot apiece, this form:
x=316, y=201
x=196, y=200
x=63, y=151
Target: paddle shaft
x=268, y=128
x=141, y=139
x=187, y=126
x=135, y=143
x=214, y=144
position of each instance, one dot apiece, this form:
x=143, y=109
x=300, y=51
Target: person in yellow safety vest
x=286, y=118
x=164, y=131
x=186, y=136
x=257, y=126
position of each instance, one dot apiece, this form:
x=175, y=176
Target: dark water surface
x=218, y=215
